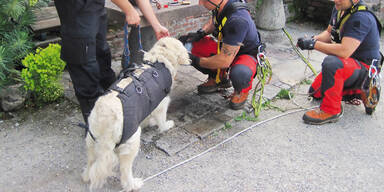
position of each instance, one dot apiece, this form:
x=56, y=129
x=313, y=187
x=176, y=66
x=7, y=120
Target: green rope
x=299, y=53
x=263, y=71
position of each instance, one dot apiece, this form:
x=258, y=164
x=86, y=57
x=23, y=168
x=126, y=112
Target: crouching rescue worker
x=235, y=50
x=350, y=71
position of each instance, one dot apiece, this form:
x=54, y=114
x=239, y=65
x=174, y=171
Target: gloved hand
x=192, y=37
x=195, y=60
x=306, y=43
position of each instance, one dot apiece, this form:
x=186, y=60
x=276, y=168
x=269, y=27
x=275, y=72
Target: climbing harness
x=219, y=38
x=220, y=22
x=299, y=53
x=370, y=90
x=126, y=52
x=343, y=17
x=263, y=72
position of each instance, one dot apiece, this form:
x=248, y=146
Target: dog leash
x=126, y=52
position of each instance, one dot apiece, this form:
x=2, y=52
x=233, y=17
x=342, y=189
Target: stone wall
x=320, y=10
x=185, y=25
x=178, y=20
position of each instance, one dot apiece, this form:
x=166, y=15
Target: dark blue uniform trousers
x=85, y=49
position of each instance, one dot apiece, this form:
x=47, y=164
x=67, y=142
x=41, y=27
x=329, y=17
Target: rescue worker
x=84, y=45
x=351, y=42
x=235, y=50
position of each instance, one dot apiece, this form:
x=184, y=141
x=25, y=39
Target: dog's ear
x=183, y=57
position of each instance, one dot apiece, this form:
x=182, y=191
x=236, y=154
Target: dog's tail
x=105, y=160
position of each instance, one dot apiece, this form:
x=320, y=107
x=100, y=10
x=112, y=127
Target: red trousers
x=241, y=71
x=339, y=78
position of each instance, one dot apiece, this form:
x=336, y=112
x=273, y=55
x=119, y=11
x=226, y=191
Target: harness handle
x=126, y=52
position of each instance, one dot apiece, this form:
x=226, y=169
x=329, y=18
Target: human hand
x=133, y=18
x=192, y=37
x=195, y=60
x=161, y=32
x=306, y=43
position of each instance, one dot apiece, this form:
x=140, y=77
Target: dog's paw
x=137, y=184
x=170, y=124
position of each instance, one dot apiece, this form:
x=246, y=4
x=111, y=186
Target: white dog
x=106, y=123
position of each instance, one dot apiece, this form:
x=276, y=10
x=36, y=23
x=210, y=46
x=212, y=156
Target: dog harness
x=147, y=85
x=219, y=22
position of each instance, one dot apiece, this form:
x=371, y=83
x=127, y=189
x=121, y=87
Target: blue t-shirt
x=240, y=29
x=361, y=26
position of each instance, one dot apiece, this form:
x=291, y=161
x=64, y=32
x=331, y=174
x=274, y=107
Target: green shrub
x=42, y=73
x=15, y=38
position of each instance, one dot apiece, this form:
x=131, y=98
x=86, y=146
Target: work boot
x=319, y=117
x=238, y=100
x=210, y=86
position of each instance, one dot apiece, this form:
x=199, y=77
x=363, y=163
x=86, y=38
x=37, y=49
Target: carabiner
x=372, y=67
x=260, y=59
x=260, y=48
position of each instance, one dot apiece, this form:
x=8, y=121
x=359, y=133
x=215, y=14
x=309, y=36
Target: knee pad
x=331, y=63
x=240, y=76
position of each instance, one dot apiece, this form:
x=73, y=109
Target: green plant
x=284, y=94
x=306, y=82
x=227, y=125
x=42, y=73
x=245, y=116
x=15, y=37
x=268, y=105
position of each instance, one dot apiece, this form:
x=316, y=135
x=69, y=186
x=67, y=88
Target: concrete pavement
x=278, y=156
x=43, y=150
x=282, y=155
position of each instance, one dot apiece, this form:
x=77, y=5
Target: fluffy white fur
x=106, y=124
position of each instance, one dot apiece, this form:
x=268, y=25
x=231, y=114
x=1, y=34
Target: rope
x=223, y=142
x=263, y=71
x=299, y=53
x=296, y=91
